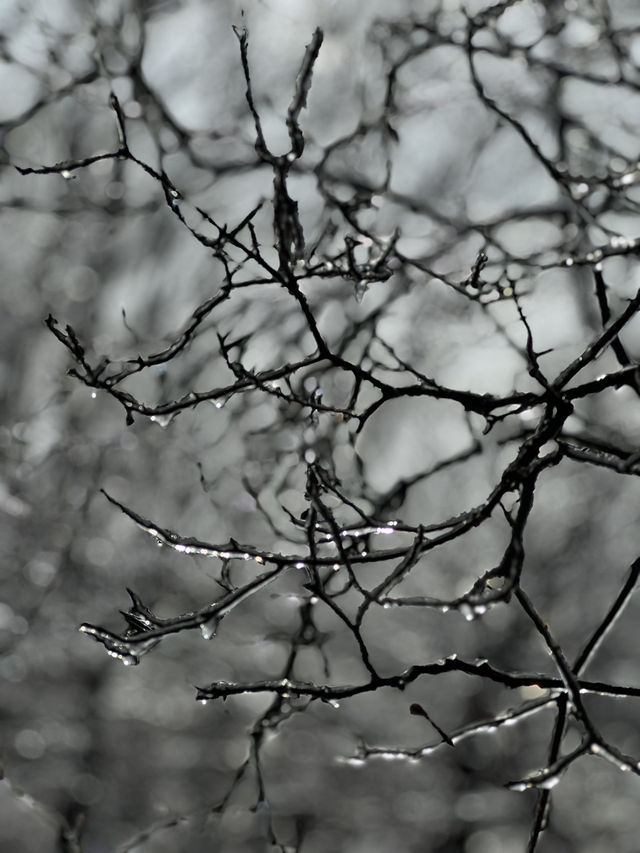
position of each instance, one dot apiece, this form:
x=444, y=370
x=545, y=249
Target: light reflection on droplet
x=351, y=762
x=162, y=420
x=208, y=629
x=360, y=289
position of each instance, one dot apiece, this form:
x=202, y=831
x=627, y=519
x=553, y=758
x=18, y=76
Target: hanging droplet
x=162, y=420
x=360, y=288
x=208, y=629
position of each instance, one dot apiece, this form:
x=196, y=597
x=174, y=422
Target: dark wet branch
x=356, y=549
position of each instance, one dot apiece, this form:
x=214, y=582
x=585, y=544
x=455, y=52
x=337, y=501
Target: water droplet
x=627, y=179
x=622, y=242
x=127, y=659
x=472, y=611
x=162, y=420
x=208, y=629
x=579, y=191
x=360, y=289
x=467, y=612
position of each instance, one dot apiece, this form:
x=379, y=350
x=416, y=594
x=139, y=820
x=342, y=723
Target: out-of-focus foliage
x=338, y=303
